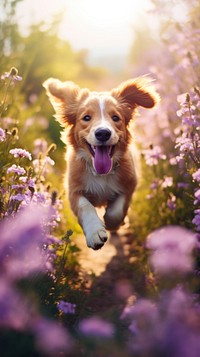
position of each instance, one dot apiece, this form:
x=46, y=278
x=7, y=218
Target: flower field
x=147, y=302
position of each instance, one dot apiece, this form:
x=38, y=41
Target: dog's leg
x=92, y=226
x=116, y=212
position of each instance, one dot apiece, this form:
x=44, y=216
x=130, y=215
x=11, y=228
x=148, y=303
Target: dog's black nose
x=102, y=134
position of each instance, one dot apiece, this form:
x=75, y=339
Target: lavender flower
x=14, y=310
x=184, y=144
x=18, y=197
x=18, y=187
x=2, y=135
x=41, y=146
x=16, y=170
x=196, y=175
x=172, y=248
x=66, y=307
x=173, y=161
x=12, y=75
x=29, y=182
x=21, y=245
x=96, y=327
x=171, y=202
x=18, y=152
x=167, y=182
x=41, y=166
x=169, y=327
x=153, y=155
x=196, y=219
x=155, y=184
x=197, y=197
x=51, y=337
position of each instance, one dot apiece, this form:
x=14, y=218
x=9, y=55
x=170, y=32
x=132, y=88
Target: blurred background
x=96, y=44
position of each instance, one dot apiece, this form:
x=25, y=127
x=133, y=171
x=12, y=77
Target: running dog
x=101, y=157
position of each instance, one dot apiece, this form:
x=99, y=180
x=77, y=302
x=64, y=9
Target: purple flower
x=140, y=309
x=173, y=161
x=12, y=75
x=172, y=248
x=49, y=161
x=2, y=135
x=153, y=155
x=18, y=187
x=167, y=182
x=66, y=307
x=18, y=197
x=196, y=219
x=96, y=327
x=41, y=146
x=170, y=327
x=51, y=337
x=16, y=169
x=155, y=184
x=196, y=175
x=43, y=164
x=181, y=98
x=197, y=196
x=21, y=243
x=171, y=202
x=18, y=152
x=27, y=181
x=39, y=198
x=185, y=144
x=182, y=111
x=14, y=311
x=183, y=185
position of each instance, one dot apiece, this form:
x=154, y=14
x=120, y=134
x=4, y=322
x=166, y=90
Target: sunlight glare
x=106, y=13
x=105, y=25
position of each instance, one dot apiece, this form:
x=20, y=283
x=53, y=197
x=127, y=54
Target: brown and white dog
x=101, y=157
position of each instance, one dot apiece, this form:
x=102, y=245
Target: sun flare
x=106, y=13
x=105, y=25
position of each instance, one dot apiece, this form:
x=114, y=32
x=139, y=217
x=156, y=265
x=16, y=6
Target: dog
x=101, y=158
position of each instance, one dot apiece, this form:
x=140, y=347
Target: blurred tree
x=9, y=33
x=37, y=56
x=45, y=55
x=143, y=50
x=41, y=53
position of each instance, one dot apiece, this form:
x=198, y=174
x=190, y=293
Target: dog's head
x=98, y=121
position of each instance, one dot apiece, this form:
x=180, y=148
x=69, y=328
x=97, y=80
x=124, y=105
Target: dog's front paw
x=112, y=223
x=97, y=239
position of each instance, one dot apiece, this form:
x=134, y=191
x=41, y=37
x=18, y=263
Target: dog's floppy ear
x=63, y=96
x=137, y=92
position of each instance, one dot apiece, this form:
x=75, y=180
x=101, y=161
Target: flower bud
x=51, y=148
x=14, y=132
x=13, y=71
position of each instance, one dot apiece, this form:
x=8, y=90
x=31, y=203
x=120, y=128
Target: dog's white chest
x=101, y=188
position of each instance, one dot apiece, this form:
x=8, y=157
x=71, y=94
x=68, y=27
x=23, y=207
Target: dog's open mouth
x=102, y=157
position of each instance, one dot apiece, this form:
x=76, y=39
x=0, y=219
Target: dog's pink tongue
x=102, y=160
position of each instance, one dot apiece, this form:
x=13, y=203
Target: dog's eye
x=115, y=118
x=87, y=118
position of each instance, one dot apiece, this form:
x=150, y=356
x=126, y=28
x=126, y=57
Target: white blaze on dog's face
x=98, y=121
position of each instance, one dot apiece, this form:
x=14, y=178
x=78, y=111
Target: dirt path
x=115, y=269
x=96, y=261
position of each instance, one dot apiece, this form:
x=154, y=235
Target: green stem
x=5, y=97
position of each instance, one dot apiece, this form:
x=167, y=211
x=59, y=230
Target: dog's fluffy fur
x=101, y=160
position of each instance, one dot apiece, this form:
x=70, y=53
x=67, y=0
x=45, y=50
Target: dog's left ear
x=63, y=96
x=137, y=92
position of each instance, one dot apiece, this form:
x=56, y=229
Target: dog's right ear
x=63, y=96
